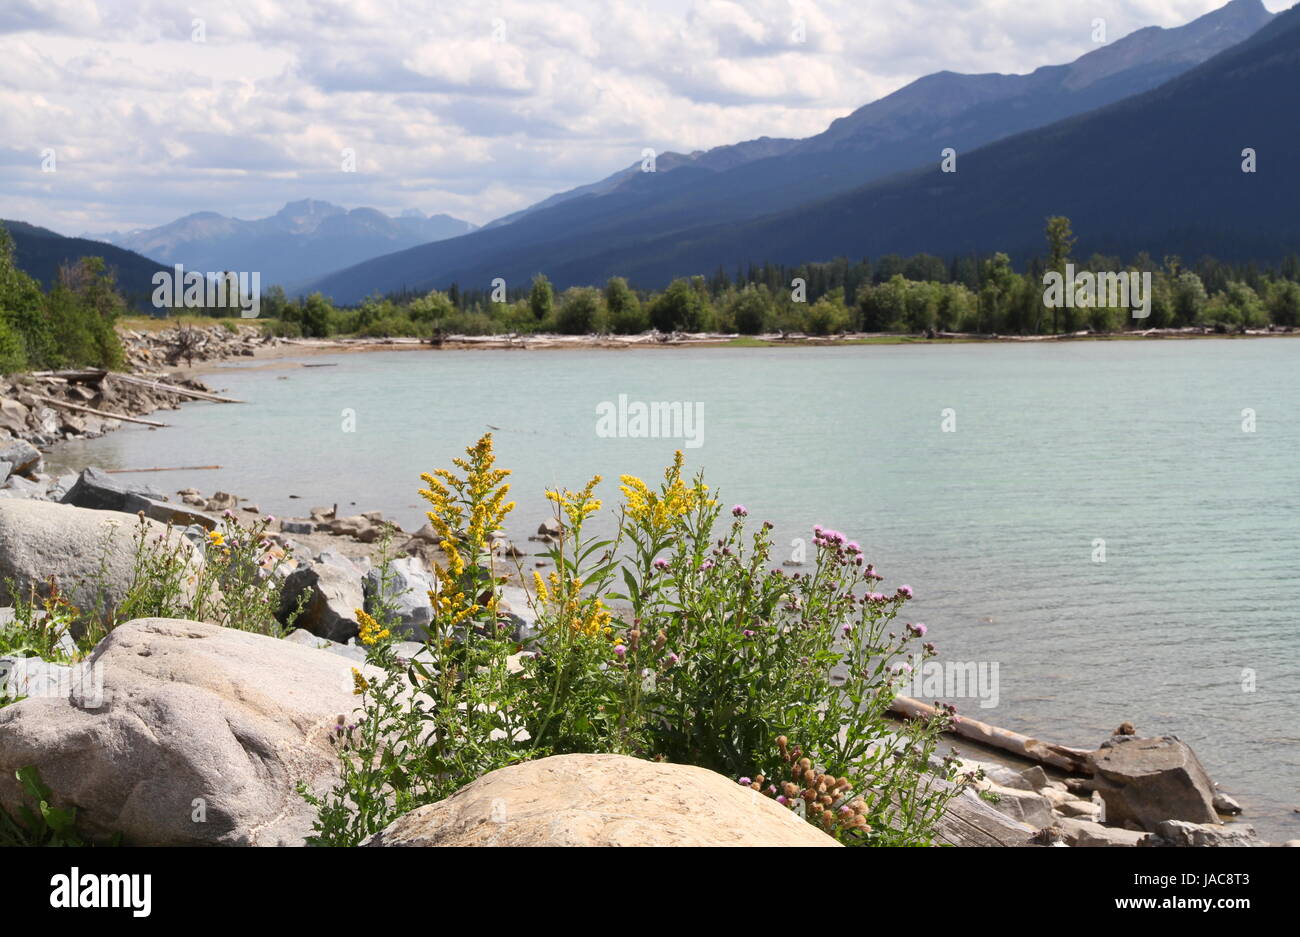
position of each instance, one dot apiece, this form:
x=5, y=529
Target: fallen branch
x=179, y=468
x=1073, y=760
x=173, y=389
x=93, y=412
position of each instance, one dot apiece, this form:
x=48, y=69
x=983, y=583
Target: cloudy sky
x=476, y=108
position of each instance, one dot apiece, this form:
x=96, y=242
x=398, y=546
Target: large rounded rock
x=90, y=554
x=199, y=736
x=602, y=800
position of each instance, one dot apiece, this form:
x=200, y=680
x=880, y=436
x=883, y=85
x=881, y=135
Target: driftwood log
x=54, y=402
x=173, y=389
x=1073, y=760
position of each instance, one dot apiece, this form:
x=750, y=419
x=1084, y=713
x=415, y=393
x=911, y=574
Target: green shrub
x=581, y=312
x=718, y=659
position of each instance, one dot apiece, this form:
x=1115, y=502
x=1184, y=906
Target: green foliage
x=626, y=316
x=70, y=326
x=582, y=312
x=750, y=309
x=43, y=626
x=39, y=823
x=678, y=308
x=236, y=584
x=719, y=660
x=826, y=317
x=541, y=298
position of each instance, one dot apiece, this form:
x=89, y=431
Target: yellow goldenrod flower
x=371, y=632
x=359, y=683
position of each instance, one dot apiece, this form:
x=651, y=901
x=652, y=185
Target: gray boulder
x=1026, y=806
x=222, y=501
x=332, y=597
x=1182, y=833
x=1144, y=782
x=407, y=594
x=100, y=491
x=23, y=457
x=19, y=487
x=40, y=539
x=1080, y=832
x=168, y=513
x=5, y=469
x=201, y=737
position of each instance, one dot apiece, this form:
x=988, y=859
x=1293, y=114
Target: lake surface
x=994, y=525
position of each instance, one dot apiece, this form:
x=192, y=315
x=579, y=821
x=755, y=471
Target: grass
x=160, y=323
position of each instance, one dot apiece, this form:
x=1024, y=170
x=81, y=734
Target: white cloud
x=472, y=109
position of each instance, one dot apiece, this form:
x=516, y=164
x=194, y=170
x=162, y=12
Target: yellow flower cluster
x=660, y=509
x=577, y=505
x=564, y=600
x=359, y=683
x=451, y=602
x=482, y=493
x=371, y=632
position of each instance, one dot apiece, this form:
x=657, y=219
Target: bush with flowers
x=237, y=583
x=673, y=639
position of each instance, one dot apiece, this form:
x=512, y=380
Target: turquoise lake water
x=994, y=525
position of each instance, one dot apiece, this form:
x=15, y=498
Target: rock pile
x=188, y=345
x=1142, y=792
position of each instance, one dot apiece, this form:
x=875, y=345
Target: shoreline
x=285, y=353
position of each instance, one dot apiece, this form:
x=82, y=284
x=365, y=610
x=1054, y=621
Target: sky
x=147, y=110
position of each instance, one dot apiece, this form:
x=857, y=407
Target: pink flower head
x=661, y=564
x=852, y=547
x=739, y=511
x=905, y=591
x=747, y=633
x=918, y=629
x=619, y=650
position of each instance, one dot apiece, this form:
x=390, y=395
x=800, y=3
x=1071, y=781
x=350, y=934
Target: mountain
x=1160, y=172
x=718, y=158
x=39, y=252
x=301, y=241
x=568, y=235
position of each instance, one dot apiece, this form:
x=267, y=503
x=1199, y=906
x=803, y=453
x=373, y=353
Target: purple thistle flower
x=739, y=511
x=620, y=650
x=745, y=781
x=918, y=629
x=905, y=591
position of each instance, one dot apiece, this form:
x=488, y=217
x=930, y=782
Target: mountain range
x=652, y=226
x=1139, y=141
x=39, y=252
x=303, y=240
